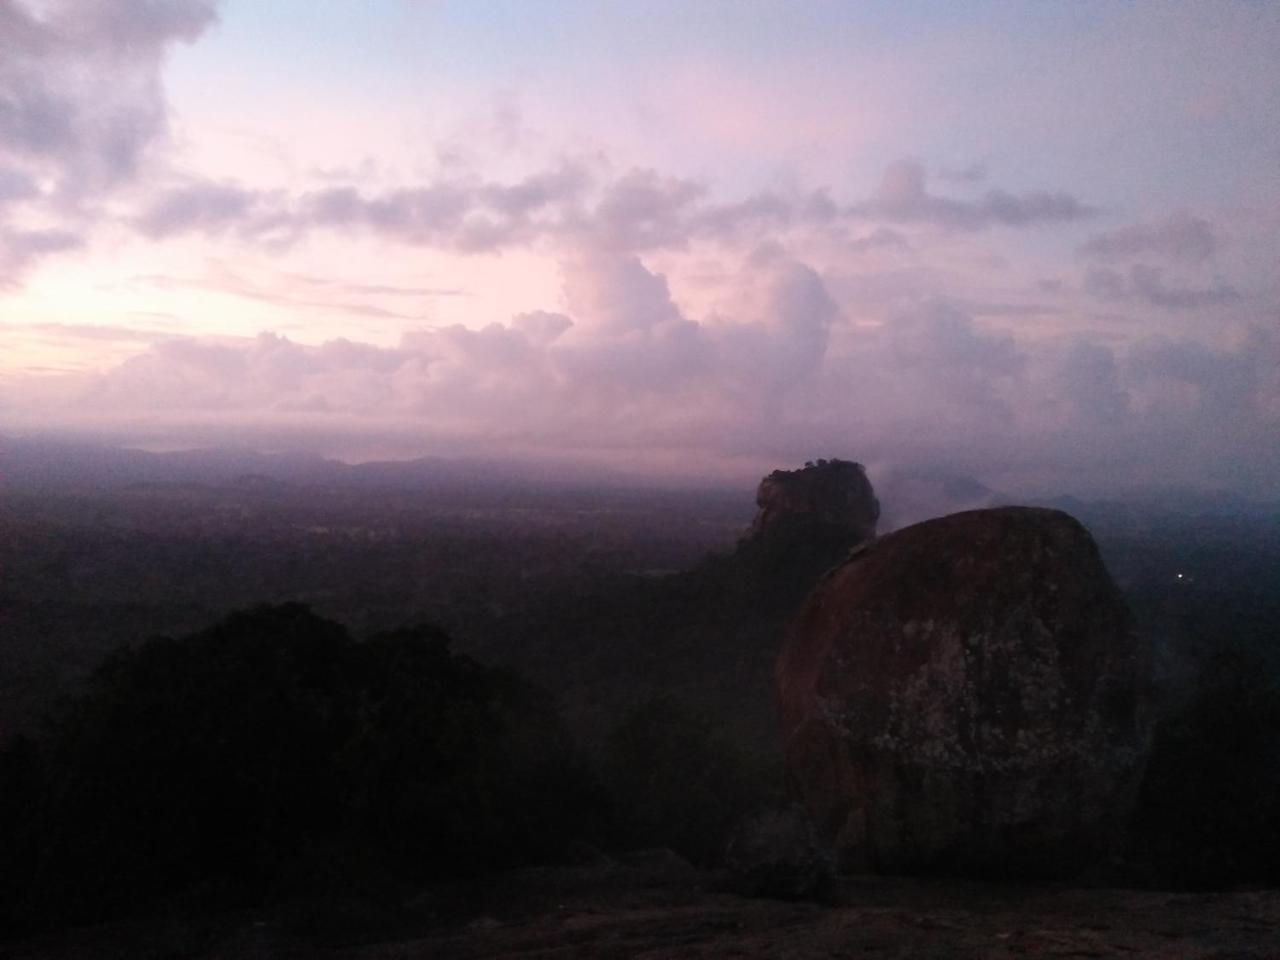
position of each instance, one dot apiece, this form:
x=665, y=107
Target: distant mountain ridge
x=51, y=465
x=41, y=464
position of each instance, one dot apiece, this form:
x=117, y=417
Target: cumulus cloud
x=778, y=339
x=778, y=373
x=903, y=197
x=1180, y=237
x=628, y=336
x=622, y=360
x=617, y=294
x=541, y=327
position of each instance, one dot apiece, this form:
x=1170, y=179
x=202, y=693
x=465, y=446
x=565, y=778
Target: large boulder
x=966, y=695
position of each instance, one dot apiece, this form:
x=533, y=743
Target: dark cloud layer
x=638, y=210
x=1147, y=284
x=209, y=207
x=1181, y=237
x=903, y=197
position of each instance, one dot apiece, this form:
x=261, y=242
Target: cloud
x=642, y=210
x=1180, y=237
x=81, y=104
x=84, y=331
x=16, y=185
x=1090, y=379
x=622, y=360
x=420, y=215
x=903, y=197
x=79, y=83
x=207, y=207
x=574, y=203
x=20, y=248
x=973, y=173
x=639, y=210
x=777, y=377
x=541, y=327
x=881, y=238
x=947, y=360
x=777, y=342
x=348, y=289
x=1146, y=283
x=301, y=292
x=1225, y=384
x=627, y=333
x=616, y=294
x=565, y=182
x=938, y=334
x=456, y=212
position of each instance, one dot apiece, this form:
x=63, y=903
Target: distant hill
x=39, y=464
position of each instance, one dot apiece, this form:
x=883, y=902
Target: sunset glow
x=1024, y=241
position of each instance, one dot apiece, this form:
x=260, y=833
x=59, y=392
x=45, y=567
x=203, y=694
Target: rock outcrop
x=807, y=522
x=836, y=493
x=967, y=696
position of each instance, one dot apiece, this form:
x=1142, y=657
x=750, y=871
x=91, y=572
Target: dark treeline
x=273, y=749
x=273, y=758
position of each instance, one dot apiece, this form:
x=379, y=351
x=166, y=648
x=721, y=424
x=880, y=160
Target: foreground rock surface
x=966, y=696
x=620, y=912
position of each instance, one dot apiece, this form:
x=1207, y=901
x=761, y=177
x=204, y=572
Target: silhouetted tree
x=227, y=755
x=1209, y=810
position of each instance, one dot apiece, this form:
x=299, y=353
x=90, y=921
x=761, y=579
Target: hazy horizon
x=1032, y=243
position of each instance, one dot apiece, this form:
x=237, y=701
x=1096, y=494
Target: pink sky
x=1034, y=242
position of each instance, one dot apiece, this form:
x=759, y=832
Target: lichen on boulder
x=967, y=696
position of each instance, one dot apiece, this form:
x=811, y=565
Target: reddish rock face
x=967, y=696
x=834, y=492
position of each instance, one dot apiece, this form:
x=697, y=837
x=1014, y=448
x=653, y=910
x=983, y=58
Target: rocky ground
x=660, y=908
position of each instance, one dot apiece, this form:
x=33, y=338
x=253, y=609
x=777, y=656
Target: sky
x=1033, y=242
